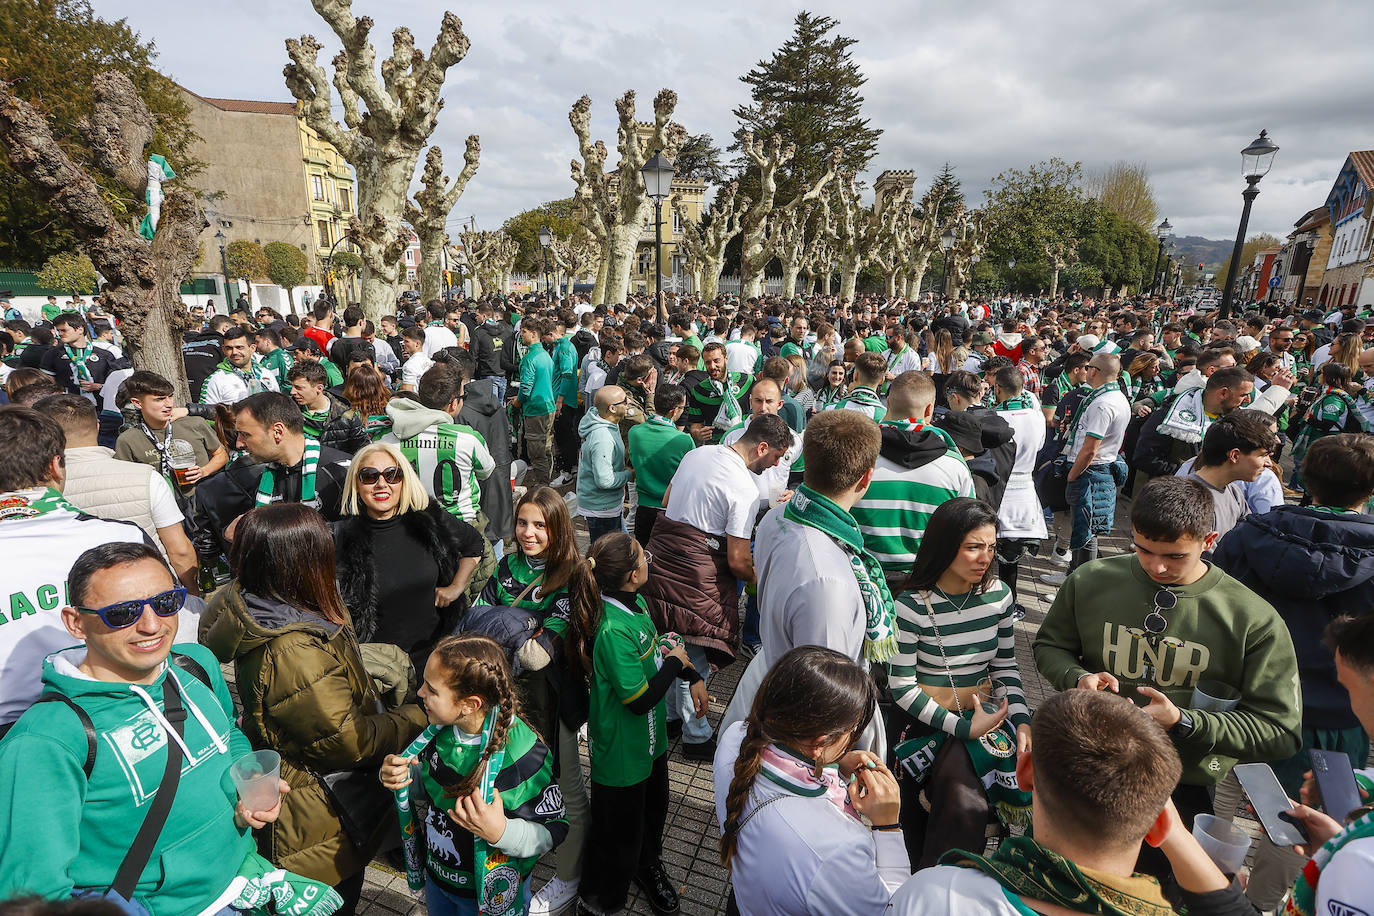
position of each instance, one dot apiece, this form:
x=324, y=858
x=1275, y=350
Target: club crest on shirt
x=998, y=744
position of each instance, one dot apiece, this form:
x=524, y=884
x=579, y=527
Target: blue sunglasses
x=123, y=614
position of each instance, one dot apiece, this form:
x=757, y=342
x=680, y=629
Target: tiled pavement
x=691, y=834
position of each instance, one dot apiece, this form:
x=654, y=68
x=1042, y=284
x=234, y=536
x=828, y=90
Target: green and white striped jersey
x=452, y=460
x=893, y=514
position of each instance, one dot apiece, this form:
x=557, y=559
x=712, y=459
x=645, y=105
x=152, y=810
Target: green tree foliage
x=953, y=193
x=1114, y=251
x=699, y=159
x=1253, y=246
x=524, y=228
x=347, y=261
x=247, y=259
x=808, y=92
x=72, y=273
x=286, y=265
x=1031, y=212
x=50, y=52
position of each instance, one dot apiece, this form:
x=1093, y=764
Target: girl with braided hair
x=495, y=807
x=614, y=643
x=808, y=824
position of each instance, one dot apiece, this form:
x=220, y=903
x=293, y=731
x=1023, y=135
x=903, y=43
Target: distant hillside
x=1193, y=249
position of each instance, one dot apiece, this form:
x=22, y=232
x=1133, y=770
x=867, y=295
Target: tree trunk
x=431, y=266
x=1054, y=281
x=849, y=280
x=377, y=289
x=789, y=280
x=891, y=285
x=624, y=242
x=825, y=282
x=751, y=285
x=603, y=266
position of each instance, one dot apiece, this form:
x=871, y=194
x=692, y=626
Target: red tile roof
x=1363, y=160
x=247, y=105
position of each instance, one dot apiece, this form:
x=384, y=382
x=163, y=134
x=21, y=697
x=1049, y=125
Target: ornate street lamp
x=946, y=242
x=1255, y=162
x=1162, y=230
x=545, y=240
x=224, y=266
x=658, y=175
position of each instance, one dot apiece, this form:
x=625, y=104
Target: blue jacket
x=601, y=471
x=1312, y=566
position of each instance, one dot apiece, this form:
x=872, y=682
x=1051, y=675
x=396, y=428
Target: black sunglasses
x=370, y=476
x=1155, y=622
x=123, y=614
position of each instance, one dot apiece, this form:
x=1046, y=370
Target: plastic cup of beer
x=255, y=777
x=181, y=466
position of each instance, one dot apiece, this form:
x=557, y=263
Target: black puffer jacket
x=225, y=496
x=1312, y=566
x=343, y=428
x=485, y=414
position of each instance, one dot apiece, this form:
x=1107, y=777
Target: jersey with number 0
x=452, y=460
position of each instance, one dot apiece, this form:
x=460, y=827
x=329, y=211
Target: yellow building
x=330, y=188
x=693, y=193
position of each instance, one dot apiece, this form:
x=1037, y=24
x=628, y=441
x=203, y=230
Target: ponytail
x=612, y=558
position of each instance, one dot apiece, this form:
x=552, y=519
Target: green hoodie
x=1219, y=631
x=62, y=832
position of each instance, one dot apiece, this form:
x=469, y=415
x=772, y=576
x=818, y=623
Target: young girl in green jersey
x=631, y=668
x=494, y=807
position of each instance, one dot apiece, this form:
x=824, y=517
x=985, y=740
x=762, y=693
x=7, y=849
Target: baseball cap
x=983, y=338
x=306, y=344
x=1088, y=342
x=965, y=429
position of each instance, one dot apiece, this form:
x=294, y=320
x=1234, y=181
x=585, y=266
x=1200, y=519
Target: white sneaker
x=1060, y=557
x=561, y=480
x=554, y=897
x=1055, y=579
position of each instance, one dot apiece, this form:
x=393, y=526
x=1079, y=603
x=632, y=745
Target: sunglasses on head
x=370, y=476
x=123, y=614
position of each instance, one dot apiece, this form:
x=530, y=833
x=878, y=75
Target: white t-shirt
x=904, y=361
x=1321, y=355
x=1104, y=419
x=437, y=338
x=1345, y=879
x=741, y=357
x=948, y=889
x=415, y=367
x=227, y=388
x=162, y=503
x=774, y=480
x=714, y=492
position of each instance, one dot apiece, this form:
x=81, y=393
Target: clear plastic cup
x=991, y=695
x=255, y=777
x=1224, y=842
x=1215, y=696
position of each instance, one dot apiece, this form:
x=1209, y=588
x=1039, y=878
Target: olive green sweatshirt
x=1219, y=631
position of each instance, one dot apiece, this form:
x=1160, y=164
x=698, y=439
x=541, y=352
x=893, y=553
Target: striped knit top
x=979, y=642
x=897, y=506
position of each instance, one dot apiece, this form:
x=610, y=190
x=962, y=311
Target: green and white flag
x=158, y=172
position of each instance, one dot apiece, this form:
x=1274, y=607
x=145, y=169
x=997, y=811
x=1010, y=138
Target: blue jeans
x=440, y=902
x=694, y=730
x=596, y=527
x=498, y=384
x=750, y=635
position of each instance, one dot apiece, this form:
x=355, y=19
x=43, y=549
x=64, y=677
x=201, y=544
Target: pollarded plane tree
x=387, y=120
x=818, y=262
x=890, y=254
x=481, y=248
x=756, y=248
x=576, y=255
x=428, y=213
x=856, y=231
x=790, y=231
x=503, y=261
x=704, y=245
x=971, y=235
x=143, y=277
x=923, y=244
x=613, y=205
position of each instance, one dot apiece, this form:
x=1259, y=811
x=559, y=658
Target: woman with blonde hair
x=403, y=561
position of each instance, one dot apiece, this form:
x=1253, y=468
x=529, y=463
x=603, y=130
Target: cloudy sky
x=1182, y=85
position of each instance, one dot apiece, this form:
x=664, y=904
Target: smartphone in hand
x=1336, y=782
x=1271, y=804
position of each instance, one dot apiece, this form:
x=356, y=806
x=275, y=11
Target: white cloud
x=1180, y=85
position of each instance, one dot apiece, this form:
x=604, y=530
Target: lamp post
x=545, y=240
x=1255, y=162
x=658, y=184
x=1163, y=232
x=224, y=266
x=946, y=242
x=1011, y=265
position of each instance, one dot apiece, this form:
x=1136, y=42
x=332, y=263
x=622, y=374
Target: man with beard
x=714, y=404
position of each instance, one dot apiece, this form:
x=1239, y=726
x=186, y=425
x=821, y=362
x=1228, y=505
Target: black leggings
x=959, y=811
x=1009, y=553
x=619, y=844
x=351, y=890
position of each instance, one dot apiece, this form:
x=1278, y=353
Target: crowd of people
x=373, y=526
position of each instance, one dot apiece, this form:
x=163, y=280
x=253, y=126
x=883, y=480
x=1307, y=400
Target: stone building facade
x=1350, y=206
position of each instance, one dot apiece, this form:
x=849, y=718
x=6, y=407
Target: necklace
x=949, y=599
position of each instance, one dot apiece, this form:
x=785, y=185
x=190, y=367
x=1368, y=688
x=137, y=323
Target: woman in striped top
x=954, y=634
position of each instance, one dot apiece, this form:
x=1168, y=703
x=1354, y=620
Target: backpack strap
x=86, y=724
x=192, y=667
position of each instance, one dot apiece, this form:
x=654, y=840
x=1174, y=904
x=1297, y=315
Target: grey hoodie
x=410, y=418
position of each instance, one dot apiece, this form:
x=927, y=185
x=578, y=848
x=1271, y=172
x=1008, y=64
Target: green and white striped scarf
x=310, y=463
x=807, y=507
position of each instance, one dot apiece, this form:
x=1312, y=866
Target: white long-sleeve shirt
x=803, y=856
